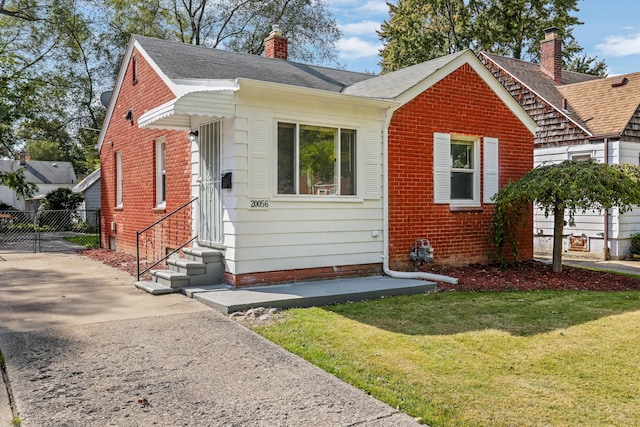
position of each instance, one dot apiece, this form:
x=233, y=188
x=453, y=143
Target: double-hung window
x=161, y=173
x=464, y=173
x=316, y=160
x=457, y=170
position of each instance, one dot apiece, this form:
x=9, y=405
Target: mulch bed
x=523, y=276
x=532, y=275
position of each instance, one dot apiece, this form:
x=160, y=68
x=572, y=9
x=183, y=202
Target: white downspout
x=385, y=218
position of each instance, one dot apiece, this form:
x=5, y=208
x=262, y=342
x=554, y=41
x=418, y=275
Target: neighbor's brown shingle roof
x=604, y=109
x=591, y=101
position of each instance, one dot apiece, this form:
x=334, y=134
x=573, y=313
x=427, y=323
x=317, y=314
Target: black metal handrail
x=151, y=240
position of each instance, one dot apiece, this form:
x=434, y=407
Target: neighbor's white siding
x=591, y=223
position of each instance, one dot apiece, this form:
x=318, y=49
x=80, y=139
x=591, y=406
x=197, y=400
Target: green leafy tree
x=57, y=56
x=62, y=199
x=419, y=30
x=237, y=25
x=49, y=79
x=562, y=189
x=16, y=181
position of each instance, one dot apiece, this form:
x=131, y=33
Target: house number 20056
x=259, y=204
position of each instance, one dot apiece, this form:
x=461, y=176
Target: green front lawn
x=541, y=358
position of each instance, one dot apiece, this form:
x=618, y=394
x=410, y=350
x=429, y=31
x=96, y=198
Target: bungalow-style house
x=296, y=172
x=580, y=116
x=47, y=175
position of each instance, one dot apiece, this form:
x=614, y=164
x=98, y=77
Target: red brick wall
x=461, y=103
x=138, y=160
x=302, y=274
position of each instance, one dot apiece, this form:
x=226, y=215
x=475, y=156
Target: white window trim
x=118, y=179
x=442, y=170
x=315, y=197
x=160, y=171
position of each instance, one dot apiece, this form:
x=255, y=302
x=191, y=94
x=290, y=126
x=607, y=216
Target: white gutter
x=385, y=215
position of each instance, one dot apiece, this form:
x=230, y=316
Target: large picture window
x=316, y=160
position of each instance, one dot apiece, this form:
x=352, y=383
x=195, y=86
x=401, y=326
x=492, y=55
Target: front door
x=210, y=224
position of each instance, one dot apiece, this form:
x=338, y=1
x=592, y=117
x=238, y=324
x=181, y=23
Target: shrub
x=635, y=244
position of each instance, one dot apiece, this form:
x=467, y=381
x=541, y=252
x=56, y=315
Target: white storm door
x=210, y=222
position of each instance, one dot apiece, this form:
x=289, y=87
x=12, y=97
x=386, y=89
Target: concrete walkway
x=619, y=266
x=83, y=347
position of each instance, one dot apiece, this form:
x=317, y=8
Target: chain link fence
x=49, y=231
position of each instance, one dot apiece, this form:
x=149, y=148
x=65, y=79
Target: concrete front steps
x=199, y=267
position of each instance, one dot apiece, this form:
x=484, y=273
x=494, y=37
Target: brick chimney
x=276, y=45
x=551, y=55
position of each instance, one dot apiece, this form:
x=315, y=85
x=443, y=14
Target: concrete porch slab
x=307, y=294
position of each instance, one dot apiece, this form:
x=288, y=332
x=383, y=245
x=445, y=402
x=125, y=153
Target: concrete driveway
x=83, y=347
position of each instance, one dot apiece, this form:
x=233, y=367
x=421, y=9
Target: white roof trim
x=319, y=93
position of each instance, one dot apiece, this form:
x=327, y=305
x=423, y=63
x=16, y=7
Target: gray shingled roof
x=184, y=62
x=42, y=172
x=391, y=85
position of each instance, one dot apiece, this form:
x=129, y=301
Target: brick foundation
x=301, y=275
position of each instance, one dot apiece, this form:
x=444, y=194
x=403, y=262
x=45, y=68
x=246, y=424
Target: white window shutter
x=259, y=159
x=441, y=167
x=373, y=171
x=491, y=183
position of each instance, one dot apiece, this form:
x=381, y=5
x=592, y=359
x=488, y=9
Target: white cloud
x=620, y=45
x=375, y=7
x=362, y=28
x=354, y=48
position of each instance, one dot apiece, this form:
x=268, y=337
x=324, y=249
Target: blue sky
x=611, y=31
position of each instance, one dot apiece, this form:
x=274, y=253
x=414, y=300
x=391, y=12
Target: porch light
x=193, y=136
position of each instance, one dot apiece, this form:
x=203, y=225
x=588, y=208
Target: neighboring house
x=47, y=175
x=306, y=172
x=580, y=116
x=90, y=188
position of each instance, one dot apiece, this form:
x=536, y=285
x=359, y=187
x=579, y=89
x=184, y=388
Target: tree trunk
x=558, y=228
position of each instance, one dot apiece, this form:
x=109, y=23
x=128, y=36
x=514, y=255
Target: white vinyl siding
x=266, y=231
x=259, y=160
